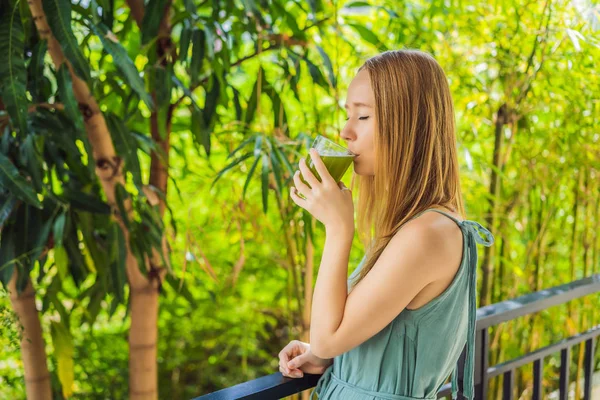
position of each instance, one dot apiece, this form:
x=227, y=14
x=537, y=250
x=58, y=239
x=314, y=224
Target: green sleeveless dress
x=413, y=355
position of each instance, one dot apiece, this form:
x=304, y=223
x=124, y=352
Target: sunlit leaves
x=123, y=62
x=63, y=350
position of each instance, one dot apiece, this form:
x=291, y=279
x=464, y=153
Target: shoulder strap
x=473, y=231
x=459, y=222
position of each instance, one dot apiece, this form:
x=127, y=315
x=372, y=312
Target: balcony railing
x=275, y=386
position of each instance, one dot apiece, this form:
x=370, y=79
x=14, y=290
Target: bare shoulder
x=436, y=236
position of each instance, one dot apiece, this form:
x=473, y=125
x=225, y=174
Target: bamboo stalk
x=586, y=211
x=491, y=217
x=292, y=251
x=573, y=257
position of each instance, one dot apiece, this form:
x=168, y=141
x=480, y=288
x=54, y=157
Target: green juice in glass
x=336, y=164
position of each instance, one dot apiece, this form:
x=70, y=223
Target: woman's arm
x=417, y=255
x=331, y=288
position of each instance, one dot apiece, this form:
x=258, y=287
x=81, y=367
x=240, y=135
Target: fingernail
x=291, y=365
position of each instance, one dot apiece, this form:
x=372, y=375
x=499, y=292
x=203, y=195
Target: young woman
x=396, y=328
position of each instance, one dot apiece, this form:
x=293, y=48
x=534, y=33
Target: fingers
x=301, y=186
x=285, y=355
x=291, y=374
x=342, y=186
x=307, y=174
x=296, y=198
x=287, y=371
x=296, y=362
x=320, y=167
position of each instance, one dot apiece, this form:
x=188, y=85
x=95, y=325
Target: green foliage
x=241, y=89
x=15, y=183
x=12, y=72
x=126, y=145
x=58, y=15
x=11, y=377
x=123, y=62
x=65, y=90
x=63, y=350
x=153, y=14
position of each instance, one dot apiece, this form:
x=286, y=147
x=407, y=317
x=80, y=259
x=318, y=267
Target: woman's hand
x=329, y=202
x=295, y=359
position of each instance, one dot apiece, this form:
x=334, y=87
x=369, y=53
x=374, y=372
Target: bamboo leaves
x=123, y=62
x=58, y=14
x=126, y=146
x=68, y=97
x=117, y=263
x=368, y=36
x=63, y=349
x=267, y=151
x=38, y=85
x=11, y=179
x=198, y=39
x=153, y=13
x=13, y=75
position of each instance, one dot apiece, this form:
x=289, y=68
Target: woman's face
x=360, y=126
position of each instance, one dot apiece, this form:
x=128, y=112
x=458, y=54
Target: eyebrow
x=358, y=104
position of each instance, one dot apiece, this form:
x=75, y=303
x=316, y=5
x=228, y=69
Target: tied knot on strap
x=477, y=230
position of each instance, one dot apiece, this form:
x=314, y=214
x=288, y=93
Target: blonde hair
x=416, y=161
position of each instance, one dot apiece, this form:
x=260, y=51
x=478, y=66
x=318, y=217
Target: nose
x=348, y=133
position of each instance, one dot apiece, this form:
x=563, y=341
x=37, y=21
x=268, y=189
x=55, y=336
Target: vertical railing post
x=482, y=344
x=565, y=359
x=538, y=373
x=508, y=385
x=588, y=369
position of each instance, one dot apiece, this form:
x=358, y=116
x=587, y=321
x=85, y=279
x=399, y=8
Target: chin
x=358, y=171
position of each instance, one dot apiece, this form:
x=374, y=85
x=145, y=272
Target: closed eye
x=360, y=118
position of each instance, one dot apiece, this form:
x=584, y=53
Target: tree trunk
x=109, y=168
x=490, y=218
x=143, y=333
x=33, y=352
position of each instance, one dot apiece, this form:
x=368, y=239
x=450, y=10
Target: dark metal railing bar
x=543, y=352
x=508, y=385
x=276, y=386
x=588, y=369
x=538, y=374
x=565, y=360
x=482, y=342
x=538, y=301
